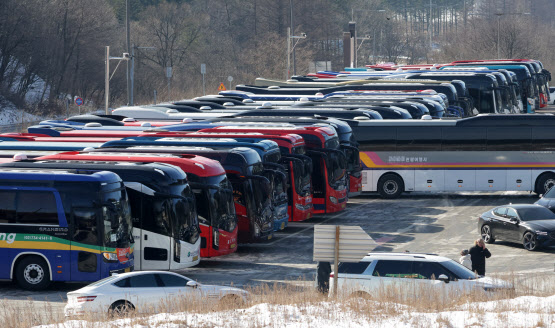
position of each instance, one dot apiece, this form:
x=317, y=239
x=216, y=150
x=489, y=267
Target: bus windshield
x=336, y=164
x=215, y=202
x=116, y=219
x=186, y=227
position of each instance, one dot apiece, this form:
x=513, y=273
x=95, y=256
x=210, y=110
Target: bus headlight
x=110, y=257
x=216, y=236
x=333, y=199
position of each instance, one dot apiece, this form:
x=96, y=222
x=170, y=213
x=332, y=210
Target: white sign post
x=340, y=243
x=230, y=78
x=203, y=72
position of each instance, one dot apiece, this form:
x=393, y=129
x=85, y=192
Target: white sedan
x=144, y=291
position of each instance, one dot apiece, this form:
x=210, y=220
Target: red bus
x=328, y=161
x=209, y=182
x=293, y=150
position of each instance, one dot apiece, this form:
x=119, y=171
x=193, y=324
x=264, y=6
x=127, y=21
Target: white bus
x=482, y=153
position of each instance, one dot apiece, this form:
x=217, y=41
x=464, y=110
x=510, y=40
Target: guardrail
x=16, y=127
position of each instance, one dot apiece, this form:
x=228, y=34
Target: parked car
x=411, y=272
x=548, y=200
x=530, y=224
x=552, y=94
x=144, y=291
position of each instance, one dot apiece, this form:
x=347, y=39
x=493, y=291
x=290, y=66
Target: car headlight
x=541, y=233
x=333, y=199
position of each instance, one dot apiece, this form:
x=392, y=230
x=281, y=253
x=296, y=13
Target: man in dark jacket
x=478, y=255
x=323, y=276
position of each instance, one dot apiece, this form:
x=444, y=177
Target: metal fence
x=16, y=127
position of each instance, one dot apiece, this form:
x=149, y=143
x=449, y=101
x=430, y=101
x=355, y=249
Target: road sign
x=78, y=101
x=340, y=243
x=354, y=243
x=202, y=68
x=230, y=78
x=222, y=87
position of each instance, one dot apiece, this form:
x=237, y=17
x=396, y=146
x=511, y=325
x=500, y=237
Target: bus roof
x=194, y=164
x=155, y=174
x=57, y=175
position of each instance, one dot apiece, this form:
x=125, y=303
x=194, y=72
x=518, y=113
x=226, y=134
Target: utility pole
x=107, y=80
x=129, y=83
x=498, y=34
x=293, y=29
x=288, y=53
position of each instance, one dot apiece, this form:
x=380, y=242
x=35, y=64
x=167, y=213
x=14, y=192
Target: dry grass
x=291, y=300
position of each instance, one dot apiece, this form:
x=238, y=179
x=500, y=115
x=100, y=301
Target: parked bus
x=244, y=169
x=299, y=166
x=163, y=211
x=63, y=225
x=200, y=172
x=329, y=178
x=482, y=153
x=268, y=151
x=349, y=145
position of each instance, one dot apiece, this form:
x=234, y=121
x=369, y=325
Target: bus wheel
x=544, y=183
x=390, y=186
x=32, y=273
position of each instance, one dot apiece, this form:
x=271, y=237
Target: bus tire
x=32, y=273
x=390, y=186
x=544, y=183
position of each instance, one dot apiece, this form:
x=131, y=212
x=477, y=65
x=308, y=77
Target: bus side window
x=7, y=206
x=36, y=207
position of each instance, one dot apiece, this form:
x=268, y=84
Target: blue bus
x=63, y=225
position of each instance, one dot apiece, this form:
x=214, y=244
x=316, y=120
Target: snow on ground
x=10, y=114
x=526, y=311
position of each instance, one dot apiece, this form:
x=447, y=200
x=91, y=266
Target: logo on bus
x=8, y=238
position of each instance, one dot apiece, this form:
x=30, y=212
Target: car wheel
x=390, y=186
x=32, y=273
x=544, y=183
x=121, y=308
x=487, y=235
x=529, y=241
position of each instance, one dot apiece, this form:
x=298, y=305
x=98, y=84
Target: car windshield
x=458, y=269
x=535, y=214
x=550, y=193
x=102, y=281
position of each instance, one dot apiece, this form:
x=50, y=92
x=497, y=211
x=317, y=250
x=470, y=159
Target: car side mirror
x=443, y=278
x=513, y=219
x=193, y=284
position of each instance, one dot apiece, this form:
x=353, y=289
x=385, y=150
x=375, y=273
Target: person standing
x=478, y=255
x=465, y=259
x=323, y=276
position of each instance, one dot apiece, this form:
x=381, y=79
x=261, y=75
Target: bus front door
x=85, y=254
